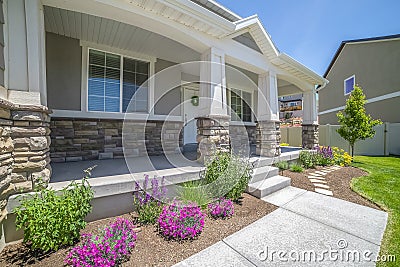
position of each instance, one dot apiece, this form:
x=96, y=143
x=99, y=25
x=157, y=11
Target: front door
x=190, y=112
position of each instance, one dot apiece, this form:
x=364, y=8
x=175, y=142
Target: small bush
x=324, y=156
x=229, y=175
x=307, y=158
x=282, y=165
x=221, y=208
x=194, y=192
x=51, y=219
x=149, y=206
x=181, y=221
x=296, y=168
x=113, y=246
x=341, y=157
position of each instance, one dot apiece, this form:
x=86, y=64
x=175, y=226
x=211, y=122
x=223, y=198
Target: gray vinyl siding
x=166, y=99
x=376, y=68
x=2, y=63
x=64, y=64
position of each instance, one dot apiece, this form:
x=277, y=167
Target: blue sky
x=311, y=30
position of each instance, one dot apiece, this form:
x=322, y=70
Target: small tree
x=355, y=124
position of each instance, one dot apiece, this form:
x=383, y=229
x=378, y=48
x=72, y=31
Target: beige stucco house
x=374, y=65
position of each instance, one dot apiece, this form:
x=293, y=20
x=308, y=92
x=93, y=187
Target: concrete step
x=268, y=186
x=263, y=173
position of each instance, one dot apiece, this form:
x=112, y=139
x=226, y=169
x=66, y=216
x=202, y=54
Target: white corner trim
x=371, y=100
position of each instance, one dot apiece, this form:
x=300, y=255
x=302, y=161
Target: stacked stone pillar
x=212, y=136
x=24, y=149
x=268, y=138
x=310, y=136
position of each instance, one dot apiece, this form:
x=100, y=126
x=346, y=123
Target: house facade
x=371, y=63
x=77, y=74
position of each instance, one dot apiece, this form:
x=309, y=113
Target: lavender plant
x=221, y=208
x=110, y=248
x=324, y=155
x=149, y=205
x=181, y=221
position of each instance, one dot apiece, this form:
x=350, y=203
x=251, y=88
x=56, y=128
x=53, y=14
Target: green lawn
x=382, y=186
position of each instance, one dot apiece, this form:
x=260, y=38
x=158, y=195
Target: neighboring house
x=373, y=64
x=71, y=68
x=291, y=108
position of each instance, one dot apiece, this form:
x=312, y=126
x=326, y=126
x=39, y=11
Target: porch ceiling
x=286, y=88
x=115, y=34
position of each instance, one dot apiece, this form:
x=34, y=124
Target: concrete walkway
x=308, y=229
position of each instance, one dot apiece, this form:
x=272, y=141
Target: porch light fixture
x=195, y=100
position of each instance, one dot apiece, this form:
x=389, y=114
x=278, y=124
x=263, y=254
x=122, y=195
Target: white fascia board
x=193, y=10
x=253, y=22
x=297, y=65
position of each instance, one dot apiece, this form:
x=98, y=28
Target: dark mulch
x=339, y=182
x=152, y=249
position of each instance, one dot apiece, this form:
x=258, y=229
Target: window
x=349, y=85
x=114, y=80
x=240, y=105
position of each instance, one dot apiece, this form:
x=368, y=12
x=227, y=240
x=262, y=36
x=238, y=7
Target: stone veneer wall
x=90, y=139
x=268, y=138
x=242, y=136
x=310, y=136
x=24, y=149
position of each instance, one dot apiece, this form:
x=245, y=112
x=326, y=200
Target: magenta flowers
x=221, y=208
x=181, y=221
x=110, y=248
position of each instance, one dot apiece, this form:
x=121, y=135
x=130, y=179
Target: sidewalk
x=308, y=229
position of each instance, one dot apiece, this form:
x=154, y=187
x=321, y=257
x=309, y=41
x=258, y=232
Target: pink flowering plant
x=221, y=208
x=148, y=202
x=110, y=248
x=181, y=221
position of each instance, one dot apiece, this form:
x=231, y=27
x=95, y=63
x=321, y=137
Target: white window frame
x=344, y=84
x=251, y=105
x=122, y=53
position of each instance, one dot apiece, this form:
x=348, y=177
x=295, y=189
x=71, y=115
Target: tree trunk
x=352, y=151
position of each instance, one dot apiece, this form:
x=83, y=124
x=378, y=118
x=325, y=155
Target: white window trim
x=123, y=53
x=344, y=84
x=250, y=123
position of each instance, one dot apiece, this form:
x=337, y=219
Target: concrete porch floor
x=69, y=171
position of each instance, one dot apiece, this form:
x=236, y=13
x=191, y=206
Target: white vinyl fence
x=386, y=140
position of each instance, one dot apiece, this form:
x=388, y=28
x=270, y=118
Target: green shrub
x=194, y=192
x=51, y=219
x=308, y=159
x=295, y=167
x=282, y=165
x=229, y=175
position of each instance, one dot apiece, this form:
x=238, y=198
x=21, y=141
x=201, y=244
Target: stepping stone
x=321, y=173
x=315, y=174
x=322, y=186
x=315, y=177
x=324, y=191
x=317, y=181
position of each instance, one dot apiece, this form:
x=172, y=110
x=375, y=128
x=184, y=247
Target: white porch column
x=213, y=83
x=213, y=120
x=268, y=133
x=310, y=120
x=26, y=74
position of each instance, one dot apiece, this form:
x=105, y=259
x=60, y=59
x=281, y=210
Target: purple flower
x=221, y=208
x=110, y=248
x=181, y=221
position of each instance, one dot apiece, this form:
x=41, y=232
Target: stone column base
x=212, y=136
x=268, y=138
x=24, y=149
x=310, y=136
